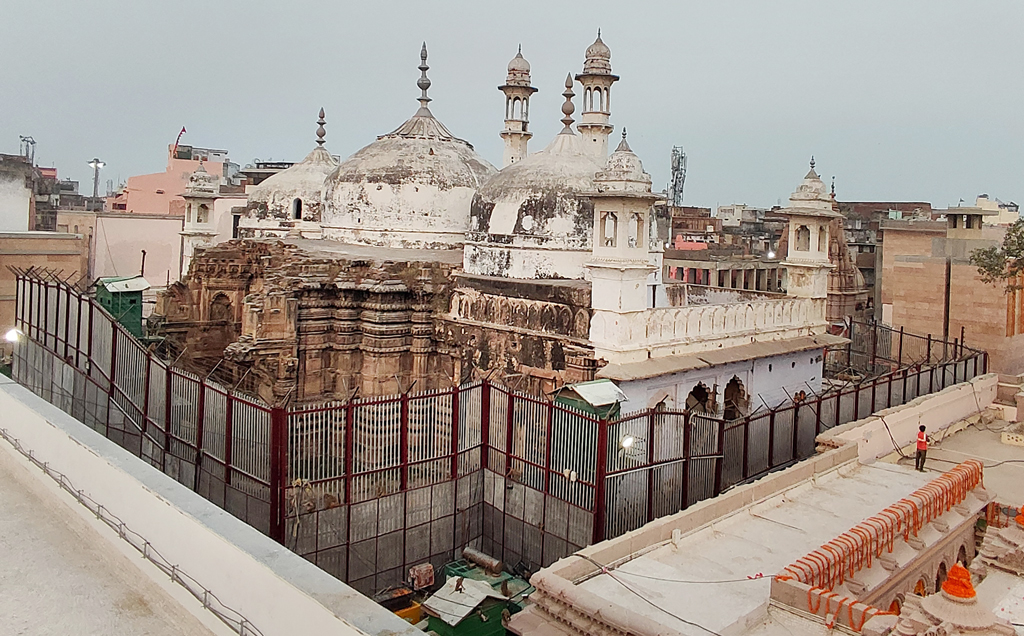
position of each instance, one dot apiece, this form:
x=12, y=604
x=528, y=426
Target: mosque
x=416, y=263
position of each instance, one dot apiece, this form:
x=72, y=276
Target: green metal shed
x=122, y=297
x=600, y=398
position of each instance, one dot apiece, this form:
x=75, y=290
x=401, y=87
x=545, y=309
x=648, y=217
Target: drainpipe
x=142, y=270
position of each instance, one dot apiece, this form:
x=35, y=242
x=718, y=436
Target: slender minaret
x=597, y=80
x=517, y=91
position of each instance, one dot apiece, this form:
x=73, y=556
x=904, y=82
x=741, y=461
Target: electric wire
x=643, y=598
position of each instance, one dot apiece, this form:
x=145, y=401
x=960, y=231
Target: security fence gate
x=370, y=487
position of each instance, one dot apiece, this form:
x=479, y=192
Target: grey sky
x=899, y=99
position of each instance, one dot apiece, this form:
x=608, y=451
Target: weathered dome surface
x=532, y=219
x=518, y=71
x=624, y=172
x=275, y=197
x=599, y=58
x=410, y=188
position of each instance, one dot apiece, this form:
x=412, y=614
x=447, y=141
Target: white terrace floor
x=60, y=575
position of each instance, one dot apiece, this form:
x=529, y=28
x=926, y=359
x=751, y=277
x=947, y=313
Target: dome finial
x=623, y=133
x=812, y=162
x=568, y=108
x=520, y=51
x=321, y=131
x=833, y=186
x=598, y=33
x=424, y=82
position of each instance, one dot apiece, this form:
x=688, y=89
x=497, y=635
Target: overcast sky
x=899, y=99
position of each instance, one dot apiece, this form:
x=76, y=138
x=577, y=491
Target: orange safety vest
x=922, y=441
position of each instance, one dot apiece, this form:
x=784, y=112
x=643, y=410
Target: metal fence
x=876, y=349
x=366, y=488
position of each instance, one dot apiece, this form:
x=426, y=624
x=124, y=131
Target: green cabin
x=122, y=297
x=600, y=398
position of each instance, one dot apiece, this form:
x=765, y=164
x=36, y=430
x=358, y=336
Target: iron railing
x=366, y=488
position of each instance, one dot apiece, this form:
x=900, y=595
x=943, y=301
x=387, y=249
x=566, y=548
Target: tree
x=1003, y=263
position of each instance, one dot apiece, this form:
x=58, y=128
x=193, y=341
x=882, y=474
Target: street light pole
x=96, y=164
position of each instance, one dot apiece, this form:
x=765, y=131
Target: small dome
x=518, y=63
x=518, y=71
x=624, y=172
x=275, y=197
x=812, y=196
x=202, y=183
x=599, y=58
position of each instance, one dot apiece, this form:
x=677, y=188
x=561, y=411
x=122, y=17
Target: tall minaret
x=597, y=80
x=517, y=91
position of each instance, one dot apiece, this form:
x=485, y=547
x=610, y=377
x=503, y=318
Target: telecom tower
x=675, y=189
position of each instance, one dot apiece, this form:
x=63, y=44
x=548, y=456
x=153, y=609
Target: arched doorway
x=297, y=209
x=701, y=399
x=961, y=556
x=220, y=309
x=920, y=589
x=735, y=398
x=940, y=576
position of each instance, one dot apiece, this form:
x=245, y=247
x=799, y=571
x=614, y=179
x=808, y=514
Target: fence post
x=110, y=376
x=796, y=431
x=899, y=355
x=962, y=333
x=874, y=345
x=849, y=348
x=720, y=460
x=145, y=396
x=455, y=437
x=817, y=417
x=874, y=395
x=168, y=409
x=548, y=430
x=856, y=402
x=687, y=455
x=746, y=447
x=485, y=423
x=278, y=471
x=984, y=362
x=771, y=439
x=229, y=402
x=600, y=472
x=650, y=468
x=929, y=359
x=403, y=436
x=200, y=421
x=67, y=320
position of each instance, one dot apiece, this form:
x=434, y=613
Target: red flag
x=174, y=152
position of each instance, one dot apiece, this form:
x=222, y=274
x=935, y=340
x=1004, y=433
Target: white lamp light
x=13, y=335
x=627, y=441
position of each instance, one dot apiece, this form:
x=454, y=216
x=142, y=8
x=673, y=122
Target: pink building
x=160, y=193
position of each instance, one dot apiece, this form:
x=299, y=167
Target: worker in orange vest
x=922, y=448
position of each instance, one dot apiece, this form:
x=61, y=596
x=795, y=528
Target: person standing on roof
x=922, y=448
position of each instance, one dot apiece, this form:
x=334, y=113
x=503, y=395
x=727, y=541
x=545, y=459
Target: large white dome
x=533, y=219
x=410, y=188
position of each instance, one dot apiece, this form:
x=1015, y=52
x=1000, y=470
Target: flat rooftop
x=61, y=576
x=1004, y=464
x=761, y=539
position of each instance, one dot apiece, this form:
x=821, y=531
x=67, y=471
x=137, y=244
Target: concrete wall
x=673, y=331
x=281, y=593
x=15, y=202
x=51, y=250
x=120, y=238
x=937, y=411
x=773, y=379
